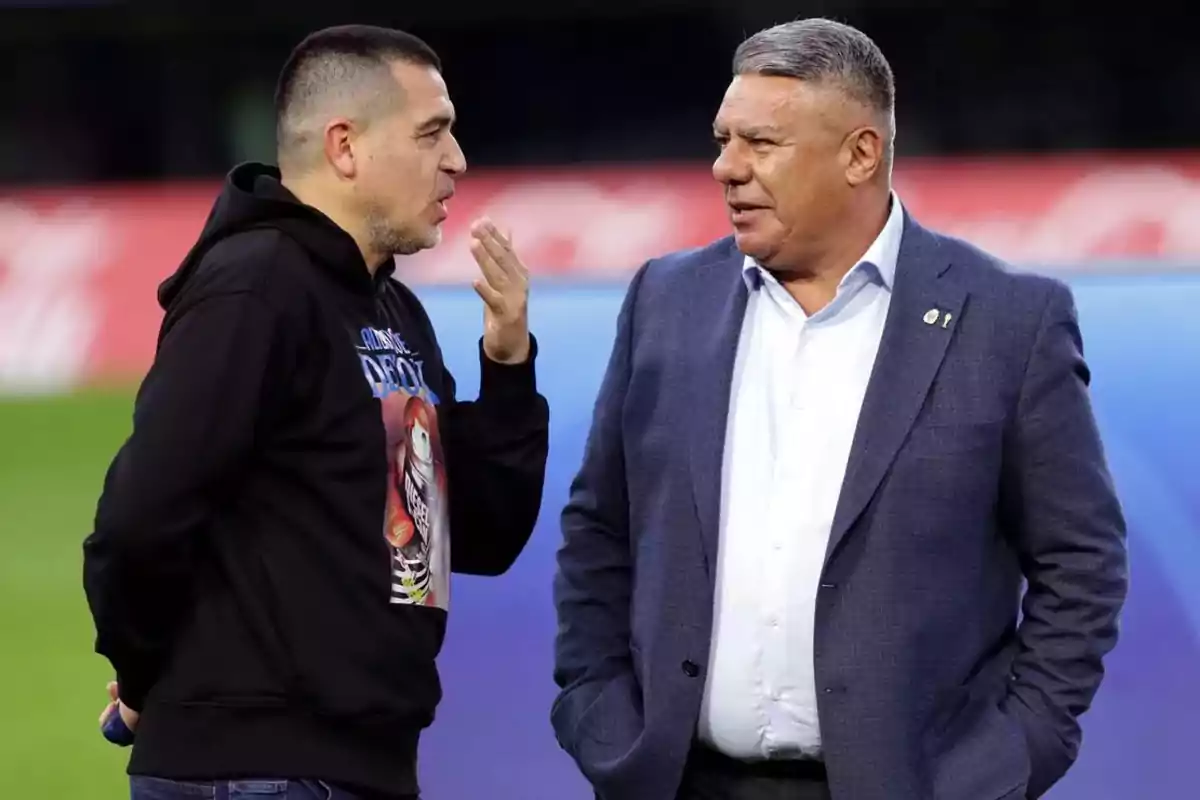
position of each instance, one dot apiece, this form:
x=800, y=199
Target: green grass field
x=53, y=454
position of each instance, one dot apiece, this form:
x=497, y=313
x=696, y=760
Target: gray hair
x=821, y=50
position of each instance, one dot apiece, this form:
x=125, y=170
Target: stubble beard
x=397, y=240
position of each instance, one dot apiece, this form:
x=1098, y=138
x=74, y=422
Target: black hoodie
x=269, y=568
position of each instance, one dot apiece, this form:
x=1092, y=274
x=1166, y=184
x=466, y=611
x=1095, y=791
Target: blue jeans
x=146, y=788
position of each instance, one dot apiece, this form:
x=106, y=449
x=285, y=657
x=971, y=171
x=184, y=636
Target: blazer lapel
x=921, y=320
x=716, y=313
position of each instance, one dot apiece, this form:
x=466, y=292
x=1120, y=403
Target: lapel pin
x=946, y=319
x=931, y=316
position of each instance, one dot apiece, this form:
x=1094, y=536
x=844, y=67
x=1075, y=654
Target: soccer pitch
x=53, y=454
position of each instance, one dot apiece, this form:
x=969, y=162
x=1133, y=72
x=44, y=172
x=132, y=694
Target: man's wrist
x=132, y=688
x=516, y=358
x=497, y=378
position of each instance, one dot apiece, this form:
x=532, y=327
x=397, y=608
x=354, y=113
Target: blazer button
x=691, y=669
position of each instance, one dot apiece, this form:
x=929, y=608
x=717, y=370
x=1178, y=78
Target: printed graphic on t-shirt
x=416, y=516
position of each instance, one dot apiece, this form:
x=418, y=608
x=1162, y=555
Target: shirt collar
x=880, y=258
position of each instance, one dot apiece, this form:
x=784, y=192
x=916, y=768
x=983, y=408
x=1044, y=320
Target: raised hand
x=504, y=288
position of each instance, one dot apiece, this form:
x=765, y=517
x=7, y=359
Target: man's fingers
x=485, y=229
x=113, y=693
x=128, y=716
x=498, y=246
x=492, y=298
x=499, y=253
x=493, y=273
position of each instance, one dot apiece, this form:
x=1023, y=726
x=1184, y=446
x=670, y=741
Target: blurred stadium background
x=1063, y=138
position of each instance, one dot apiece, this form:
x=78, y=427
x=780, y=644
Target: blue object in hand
x=115, y=729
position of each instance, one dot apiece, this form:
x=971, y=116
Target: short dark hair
x=818, y=50
x=344, y=62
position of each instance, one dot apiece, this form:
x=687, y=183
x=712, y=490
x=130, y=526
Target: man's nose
x=456, y=161
x=730, y=167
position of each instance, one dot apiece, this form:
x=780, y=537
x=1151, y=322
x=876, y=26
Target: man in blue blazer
x=828, y=454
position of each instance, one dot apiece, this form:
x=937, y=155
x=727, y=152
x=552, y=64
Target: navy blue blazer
x=976, y=468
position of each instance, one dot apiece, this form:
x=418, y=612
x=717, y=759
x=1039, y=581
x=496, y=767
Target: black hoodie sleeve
x=496, y=450
x=193, y=429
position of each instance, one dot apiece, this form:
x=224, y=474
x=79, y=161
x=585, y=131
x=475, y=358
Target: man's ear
x=338, y=145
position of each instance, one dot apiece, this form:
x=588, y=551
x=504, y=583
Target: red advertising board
x=79, y=266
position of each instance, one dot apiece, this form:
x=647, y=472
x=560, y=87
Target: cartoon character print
x=414, y=522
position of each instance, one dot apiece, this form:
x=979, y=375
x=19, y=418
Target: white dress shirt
x=798, y=387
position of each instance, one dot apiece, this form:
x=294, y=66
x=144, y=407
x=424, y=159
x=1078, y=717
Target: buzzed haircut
x=343, y=70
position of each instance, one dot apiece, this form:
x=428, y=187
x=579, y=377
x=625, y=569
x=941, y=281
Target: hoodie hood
x=253, y=196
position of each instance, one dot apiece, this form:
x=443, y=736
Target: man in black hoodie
x=269, y=569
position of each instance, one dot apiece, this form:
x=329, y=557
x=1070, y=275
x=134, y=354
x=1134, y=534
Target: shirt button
x=690, y=668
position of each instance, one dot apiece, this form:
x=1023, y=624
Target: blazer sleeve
x=1070, y=533
x=593, y=580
